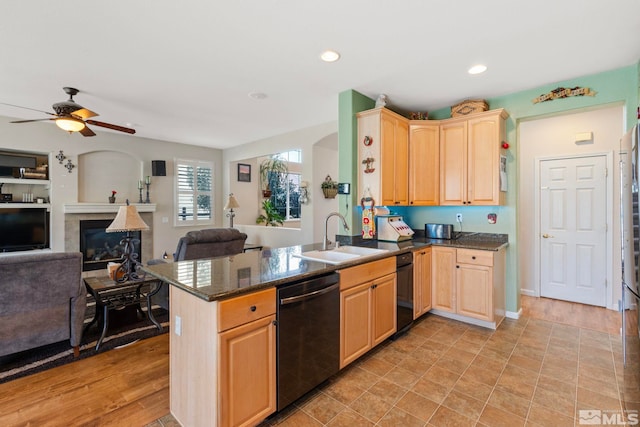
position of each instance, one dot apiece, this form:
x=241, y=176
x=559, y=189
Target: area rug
x=120, y=333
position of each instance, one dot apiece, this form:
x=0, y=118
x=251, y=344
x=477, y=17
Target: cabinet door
x=453, y=163
x=424, y=165
x=483, y=161
x=421, y=282
x=474, y=291
x=355, y=323
x=443, y=278
x=383, y=308
x=247, y=373
x=394, y=160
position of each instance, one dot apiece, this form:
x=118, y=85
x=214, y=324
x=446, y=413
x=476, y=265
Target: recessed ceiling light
x=329, y=56
x=477, y=69
x=257, y=95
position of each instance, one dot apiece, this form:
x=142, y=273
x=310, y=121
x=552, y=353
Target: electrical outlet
x=459, y=217
x=177, y=328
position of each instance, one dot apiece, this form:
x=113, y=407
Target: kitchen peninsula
x=223, y=325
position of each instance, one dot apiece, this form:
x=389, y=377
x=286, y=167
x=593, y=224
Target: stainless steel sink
x=340, y=255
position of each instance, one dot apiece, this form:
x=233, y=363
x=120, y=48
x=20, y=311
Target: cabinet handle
x=457, y=266
x=252, y=308
x=274, y=323
x=473, y=257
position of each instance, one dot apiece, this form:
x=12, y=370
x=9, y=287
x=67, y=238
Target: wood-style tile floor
x=557, y=359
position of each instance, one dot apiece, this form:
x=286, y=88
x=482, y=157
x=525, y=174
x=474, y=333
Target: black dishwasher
x=308, y=336
x=404, y=279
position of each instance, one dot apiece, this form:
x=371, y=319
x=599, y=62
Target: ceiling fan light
x=70, y=125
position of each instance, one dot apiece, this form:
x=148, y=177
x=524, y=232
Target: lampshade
x=70, y=124
x=232, y=203
x=127, y=219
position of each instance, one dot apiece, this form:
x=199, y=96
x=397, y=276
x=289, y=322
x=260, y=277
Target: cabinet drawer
x=352, y=276
x=246, y=308
x=475, y=257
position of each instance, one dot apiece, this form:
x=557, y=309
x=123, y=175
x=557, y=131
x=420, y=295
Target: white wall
x=555, y=137
x=103, y=172
x=303, y=139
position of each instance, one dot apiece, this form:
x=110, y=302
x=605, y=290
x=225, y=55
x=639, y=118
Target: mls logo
x=590, y=416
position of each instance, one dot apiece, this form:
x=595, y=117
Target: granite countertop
x=219, y=278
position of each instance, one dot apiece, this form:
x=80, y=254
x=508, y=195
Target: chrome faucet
x=326, y=243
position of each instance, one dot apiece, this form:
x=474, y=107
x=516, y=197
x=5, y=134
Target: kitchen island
x=223, y=324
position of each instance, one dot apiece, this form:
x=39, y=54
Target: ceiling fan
x=72, y=117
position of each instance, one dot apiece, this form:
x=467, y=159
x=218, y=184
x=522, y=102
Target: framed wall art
x=244, y=172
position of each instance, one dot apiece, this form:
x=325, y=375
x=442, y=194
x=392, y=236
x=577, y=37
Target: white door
x=573, y=227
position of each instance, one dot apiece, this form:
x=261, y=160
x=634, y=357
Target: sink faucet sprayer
x=326, y=243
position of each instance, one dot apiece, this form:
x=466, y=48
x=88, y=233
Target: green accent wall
x=350, y=102
x=619, y=86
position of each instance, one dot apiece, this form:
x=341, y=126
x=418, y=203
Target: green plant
x=270, y=167
x=271, y=215
x=329, y=183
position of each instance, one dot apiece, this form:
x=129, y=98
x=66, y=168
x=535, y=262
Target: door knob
x=546, y=236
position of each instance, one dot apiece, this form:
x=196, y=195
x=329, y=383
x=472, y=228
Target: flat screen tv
x=23, y=229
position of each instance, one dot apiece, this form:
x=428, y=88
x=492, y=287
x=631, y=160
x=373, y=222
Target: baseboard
x=513, y=314
x=528, y=292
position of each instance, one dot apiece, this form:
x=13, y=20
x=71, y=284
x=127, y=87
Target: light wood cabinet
x=443, y=261
x=222, y=365
x=424, y=163
x=383, y=136
x=367, y=307
x=469, y=284
x=247, y=365
x=421, y=281
x=470, y=149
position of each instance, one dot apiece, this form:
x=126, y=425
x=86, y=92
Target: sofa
x=42, y=300
x=207, y=243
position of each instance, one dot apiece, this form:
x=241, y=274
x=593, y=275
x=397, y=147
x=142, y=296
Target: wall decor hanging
x=69, y=165
x=562, y=92
x=60, y=156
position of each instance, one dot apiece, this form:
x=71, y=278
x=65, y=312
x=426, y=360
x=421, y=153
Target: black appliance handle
x=291, y=300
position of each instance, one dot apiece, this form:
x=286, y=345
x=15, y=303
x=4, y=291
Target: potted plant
x=271, y=215
x=267, y=167
x=329, y=188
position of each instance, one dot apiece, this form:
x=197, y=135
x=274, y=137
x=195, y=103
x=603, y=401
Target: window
x=194, y=183
x=285, y=195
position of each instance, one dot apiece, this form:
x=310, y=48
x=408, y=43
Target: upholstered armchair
x=42, y=300
x=208, y=243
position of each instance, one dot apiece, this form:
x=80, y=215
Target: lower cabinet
x=469, y=284
x=367, y=307
x=421, y=282
x=247, y=372
x=222, y=359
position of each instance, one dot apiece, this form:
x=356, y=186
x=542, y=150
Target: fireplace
x=99, y=247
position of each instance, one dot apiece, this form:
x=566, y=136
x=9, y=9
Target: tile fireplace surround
x=74, y=213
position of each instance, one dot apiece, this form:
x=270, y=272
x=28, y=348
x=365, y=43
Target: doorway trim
x=609, y=222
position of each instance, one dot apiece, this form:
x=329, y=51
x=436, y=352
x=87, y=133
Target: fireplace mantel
x=83, y=208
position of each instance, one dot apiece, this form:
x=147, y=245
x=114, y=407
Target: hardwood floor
x=122, y=387
x=130, y=386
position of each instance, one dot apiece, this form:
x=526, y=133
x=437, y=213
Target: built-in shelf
x=24, y=181
x=14, y=205
x=88, y=207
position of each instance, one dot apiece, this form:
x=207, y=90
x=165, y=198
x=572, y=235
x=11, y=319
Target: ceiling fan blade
x=27, y=108
x=110, y=126
x=85, y=131
x=83, y=113
x=27, y=121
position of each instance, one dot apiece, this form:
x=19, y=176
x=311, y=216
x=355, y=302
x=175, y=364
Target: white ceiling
x=182, y=70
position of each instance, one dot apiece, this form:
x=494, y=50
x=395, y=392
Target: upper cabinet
x=424, y=163
x=430, y=162
x=470, y=149
x=383, y=156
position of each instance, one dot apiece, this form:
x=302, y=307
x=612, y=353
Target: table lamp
x=231, y=204
x=127, y=220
